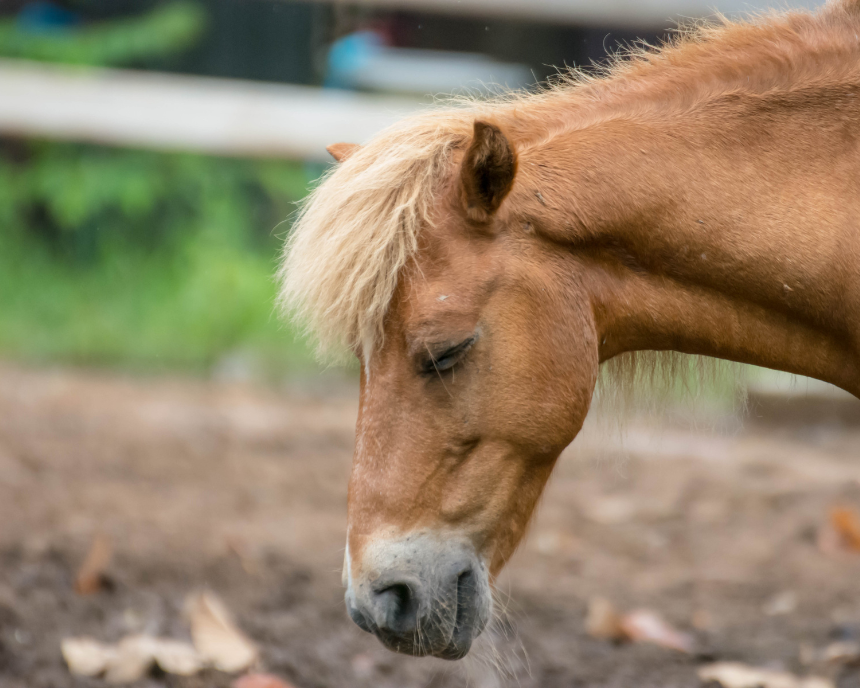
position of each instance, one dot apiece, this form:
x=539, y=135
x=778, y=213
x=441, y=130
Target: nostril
x=399, y=594
x=359, y=618
x=467, y=590
x=399, y=608
x=465, y=581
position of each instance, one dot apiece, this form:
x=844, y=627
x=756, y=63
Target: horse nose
x=396, y=606
x=424, y=596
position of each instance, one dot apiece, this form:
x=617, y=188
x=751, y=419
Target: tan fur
x=700, y=199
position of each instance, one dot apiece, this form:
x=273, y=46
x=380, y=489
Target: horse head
x=481, y=373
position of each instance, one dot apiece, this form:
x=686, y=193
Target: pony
x=484, y=260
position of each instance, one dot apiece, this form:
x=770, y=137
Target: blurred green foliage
x=147, y=259
x=166, y=30
x=138, y=258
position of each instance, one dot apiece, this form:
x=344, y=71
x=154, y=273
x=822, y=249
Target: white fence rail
x=166, y=111
x=650, y=14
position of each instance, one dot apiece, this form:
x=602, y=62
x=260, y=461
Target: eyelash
x=448, y=359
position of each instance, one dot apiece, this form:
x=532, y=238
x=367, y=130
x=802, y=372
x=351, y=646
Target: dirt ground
x=241, y=491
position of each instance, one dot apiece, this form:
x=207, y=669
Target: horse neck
x=729, y=230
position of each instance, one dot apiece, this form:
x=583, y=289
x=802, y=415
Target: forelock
x=358, y=228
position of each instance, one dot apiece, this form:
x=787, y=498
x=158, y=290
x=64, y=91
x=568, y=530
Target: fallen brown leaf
x=260, y=681
x=216, y=638
x=646, y=626
x=131, y=658
x=738, y=675
x=603, y=621
x=85, y=656
x=846, y=522
x=641, y=626
x=844, y=651
x=91, y=575
x=177, y=657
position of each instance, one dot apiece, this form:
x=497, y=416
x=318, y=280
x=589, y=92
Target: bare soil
x=241, y=491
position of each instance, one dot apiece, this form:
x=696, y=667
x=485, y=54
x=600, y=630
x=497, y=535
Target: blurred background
x=142, y=210
x=162, y=432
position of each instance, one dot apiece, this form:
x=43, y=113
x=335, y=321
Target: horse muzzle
x=423, y=596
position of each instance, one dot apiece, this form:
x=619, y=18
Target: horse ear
x=341, y=151
x=487, y=172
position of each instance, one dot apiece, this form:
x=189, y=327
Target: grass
x=184, y=309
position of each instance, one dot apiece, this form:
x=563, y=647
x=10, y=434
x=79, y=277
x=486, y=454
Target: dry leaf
x=641, y=626
x=603, y=621
x=843, y=651
x=260, y=681
x=132, y=660
x=85, y=656
x=645, y=626
x=738, y=675
x=216, y=637
x=846, y=522
x=91, y=576
x=177, y=657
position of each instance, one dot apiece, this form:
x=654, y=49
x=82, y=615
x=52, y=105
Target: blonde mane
x=358, y=228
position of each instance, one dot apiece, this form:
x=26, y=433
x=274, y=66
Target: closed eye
x=445, y=359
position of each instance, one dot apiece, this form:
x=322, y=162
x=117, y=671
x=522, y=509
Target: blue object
x=43, y=16
x=349, y=55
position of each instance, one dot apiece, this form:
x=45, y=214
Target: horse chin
x=456, y=648
x=452, y=651
x=432, y=641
